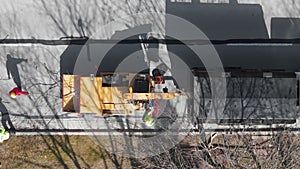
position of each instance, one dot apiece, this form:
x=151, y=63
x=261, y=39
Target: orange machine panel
x=94, y=98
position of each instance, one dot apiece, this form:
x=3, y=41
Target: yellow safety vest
x=4, y=135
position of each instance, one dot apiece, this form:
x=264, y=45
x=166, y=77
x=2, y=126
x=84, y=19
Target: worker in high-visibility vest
x=4, y=135
x=16, y=92
x=151, y=115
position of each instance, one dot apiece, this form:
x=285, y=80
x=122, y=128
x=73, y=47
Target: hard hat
x=13, y=94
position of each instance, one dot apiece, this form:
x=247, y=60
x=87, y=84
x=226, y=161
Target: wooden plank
x=70, y=93
x=90, y=100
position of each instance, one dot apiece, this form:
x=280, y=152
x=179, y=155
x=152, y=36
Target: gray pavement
x=40, y=76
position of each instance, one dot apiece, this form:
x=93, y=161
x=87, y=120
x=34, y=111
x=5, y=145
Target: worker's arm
x=17, y=60
x=8, y=72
